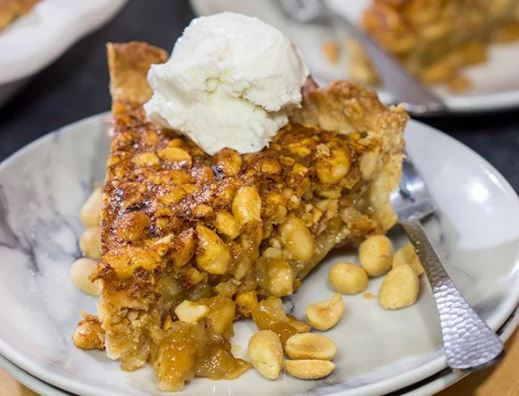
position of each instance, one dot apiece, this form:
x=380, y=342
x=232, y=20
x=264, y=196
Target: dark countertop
x=75, y=86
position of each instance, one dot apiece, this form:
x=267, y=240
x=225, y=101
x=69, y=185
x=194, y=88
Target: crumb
x=331, y=51
x=368, y=295
x=459, y=84
x=236, y=348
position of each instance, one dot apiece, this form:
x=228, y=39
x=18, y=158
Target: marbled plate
x=43, y=186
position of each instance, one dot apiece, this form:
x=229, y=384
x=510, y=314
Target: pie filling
x=232, y=232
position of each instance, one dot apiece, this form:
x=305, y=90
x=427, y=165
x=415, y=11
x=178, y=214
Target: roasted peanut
x=127, y=258
x=326, y=314
x=184, y=248
x=131, y=226
x=376, y=255
x=266, y=353
x=310, y=346
x=175, y=154
x=309, y=369
x=300, y=327
x=229, y=161
x=297, y=239
x=80, y=272
x=348, y=278
x=332, y=169
x=247, y=302
x=226, y=224
x=92, y=209
x=190, y=312
x=221, y=315
x=145, y=159
x=407, y=255
x=89, y=334
x=246, y=205
x=214, y=255
x=279, y=277
x=90, y=243
x=400, y=288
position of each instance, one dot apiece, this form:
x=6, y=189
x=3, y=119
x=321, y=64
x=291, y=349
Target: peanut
x=348, y=278
x=309, y=369
x=310, y=346
x=376, y=255
x=326, y=314
x=266, y=353
x=399, y=289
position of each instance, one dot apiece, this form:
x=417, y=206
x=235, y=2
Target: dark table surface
x=75, y=86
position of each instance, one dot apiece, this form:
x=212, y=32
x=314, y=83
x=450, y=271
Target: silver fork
x=417, y=99
x=468, y=342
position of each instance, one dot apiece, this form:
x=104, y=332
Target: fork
x=417, y=99
x=469, y=344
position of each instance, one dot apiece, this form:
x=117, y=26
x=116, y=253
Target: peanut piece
x=399, y=289
x=190, y=312
x=310, y=346
x=266, y=353
x=407, y=255
x=279, y=277
x=89, y=334
x=333, y=168
x=247, y=302
x=226, y=224
x=326, y=314
x=175, y=154
x=246, y=205
x=297, y=239
x=214, y=255
x=348, y=278
x=90, y=243
x=376, y=255
x=92, y=209
x=309, y=369
x=300, y=327
x=80, y=272
x=145, y=159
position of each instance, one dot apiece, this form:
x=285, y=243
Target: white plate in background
x=495, y=83
x=34, y=40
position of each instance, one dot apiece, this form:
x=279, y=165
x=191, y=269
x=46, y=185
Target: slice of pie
x=434, y=40
x=12, y=9
x=229, y=230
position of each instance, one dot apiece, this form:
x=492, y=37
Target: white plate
x=33, y=41
x=495, y=83
x=43, y=186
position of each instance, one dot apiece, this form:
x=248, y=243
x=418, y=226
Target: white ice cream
x=227, y=83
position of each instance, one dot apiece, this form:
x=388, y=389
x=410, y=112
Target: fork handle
x=468, y=342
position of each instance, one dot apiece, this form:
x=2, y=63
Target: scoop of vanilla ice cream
x=227, y=83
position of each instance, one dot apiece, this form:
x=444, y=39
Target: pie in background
x=435, y=39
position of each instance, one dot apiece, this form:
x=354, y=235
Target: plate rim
x=418, y=373
x=430, y=387
x=69, y=32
